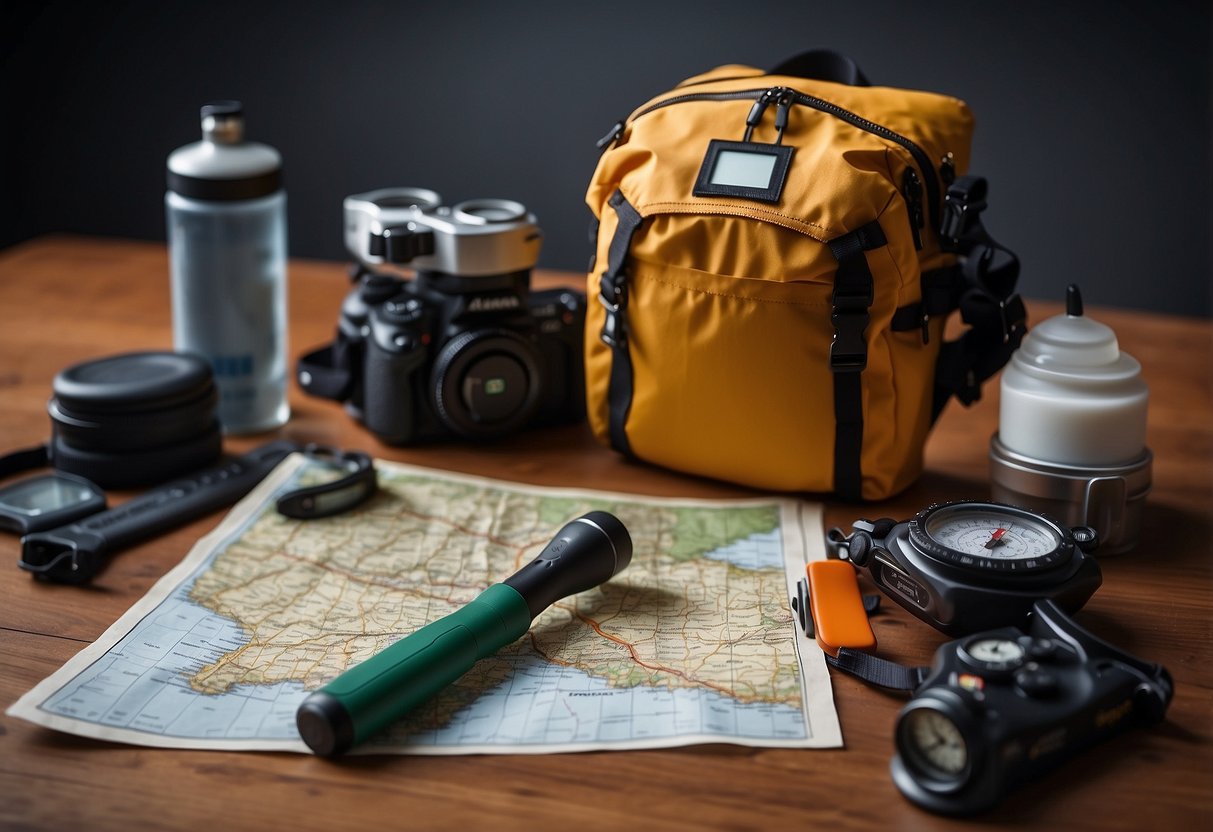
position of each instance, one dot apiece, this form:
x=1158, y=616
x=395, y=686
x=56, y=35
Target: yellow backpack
x=776, y=257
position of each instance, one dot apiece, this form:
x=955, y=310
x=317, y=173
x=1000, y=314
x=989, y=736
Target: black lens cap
x=137, y=381
x=135, y=419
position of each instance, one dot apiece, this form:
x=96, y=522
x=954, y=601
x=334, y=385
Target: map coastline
x=273, y=702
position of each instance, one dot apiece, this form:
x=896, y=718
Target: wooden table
x=67, y=299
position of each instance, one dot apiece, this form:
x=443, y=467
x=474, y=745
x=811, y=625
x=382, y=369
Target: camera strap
x=326, y=372
x=878, y=671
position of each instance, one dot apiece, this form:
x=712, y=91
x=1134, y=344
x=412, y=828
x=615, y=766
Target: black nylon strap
x=876, y=670
x=323, y=373
x=853, y=293
x=25, y=459
x=985, y=295
x=613, y=294
x=941, y=291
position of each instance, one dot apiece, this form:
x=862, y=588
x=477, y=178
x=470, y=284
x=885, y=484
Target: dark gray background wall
x=1093, y=117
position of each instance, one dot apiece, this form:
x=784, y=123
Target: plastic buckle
x=963, y=202
x=613, y=296
x=849, y=350
x=1014, y=319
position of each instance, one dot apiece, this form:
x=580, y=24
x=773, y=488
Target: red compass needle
x=995, y=538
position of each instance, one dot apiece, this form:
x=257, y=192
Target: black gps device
x=47, y=501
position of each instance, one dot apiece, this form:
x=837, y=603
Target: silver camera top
x=478, y=237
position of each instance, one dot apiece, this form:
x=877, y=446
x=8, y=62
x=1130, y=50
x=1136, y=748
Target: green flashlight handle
x=372, y=695
x=369, y=696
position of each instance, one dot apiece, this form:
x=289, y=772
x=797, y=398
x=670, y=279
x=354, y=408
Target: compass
x=993, y=536
x=973, y=565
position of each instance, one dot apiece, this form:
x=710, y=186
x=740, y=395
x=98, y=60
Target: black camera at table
x=462, y=347
x=1009, y=705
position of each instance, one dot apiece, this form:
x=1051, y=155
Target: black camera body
x=431, y=361
x=462, y=347
x=1003, y=706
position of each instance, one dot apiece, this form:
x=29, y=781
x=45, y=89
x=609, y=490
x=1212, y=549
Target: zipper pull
x=756, y=112
x=911, y=189
x=612, y=136
x=947, y=169
x=782, y=109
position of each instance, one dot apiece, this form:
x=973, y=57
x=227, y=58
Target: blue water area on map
x=762, y=550
x=543, y=703
x=143, y=685
x=143, y=682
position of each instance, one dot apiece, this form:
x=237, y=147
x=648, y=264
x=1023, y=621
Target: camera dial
x=933, y=745
x=485, y=211
x=994, y=653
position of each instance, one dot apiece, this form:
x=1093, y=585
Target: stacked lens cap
x=136, y=419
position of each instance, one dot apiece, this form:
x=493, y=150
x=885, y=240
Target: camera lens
x=494, y=388
x=486, y=383
x=486, y=211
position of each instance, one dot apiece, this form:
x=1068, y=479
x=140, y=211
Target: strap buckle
x=613, y=295
x=849, y=350
x=963, y=203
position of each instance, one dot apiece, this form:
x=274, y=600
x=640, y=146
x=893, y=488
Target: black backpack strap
x=852, y=297
x=982, y=286
x=613, y=295
x=823, y=65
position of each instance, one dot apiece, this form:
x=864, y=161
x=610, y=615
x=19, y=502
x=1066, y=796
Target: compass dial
x=933, y=744
x=990, y=535
x=988, y=653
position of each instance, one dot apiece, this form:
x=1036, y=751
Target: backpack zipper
x=911, y=189
x=792, y=96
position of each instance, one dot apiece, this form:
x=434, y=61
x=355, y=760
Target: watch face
x=933, y=745
x=993, y=653
x=990, y=536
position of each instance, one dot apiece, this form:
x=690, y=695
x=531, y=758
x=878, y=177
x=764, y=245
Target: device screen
x=47, y=501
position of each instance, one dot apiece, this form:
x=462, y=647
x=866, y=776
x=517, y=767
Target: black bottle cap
x=1073, y=301
x=221, y=109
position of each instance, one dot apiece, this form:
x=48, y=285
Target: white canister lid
x=1070, y=396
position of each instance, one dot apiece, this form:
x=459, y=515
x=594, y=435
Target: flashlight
x=370, y=696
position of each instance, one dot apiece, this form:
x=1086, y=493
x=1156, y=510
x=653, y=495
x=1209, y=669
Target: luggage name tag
x=748, y=169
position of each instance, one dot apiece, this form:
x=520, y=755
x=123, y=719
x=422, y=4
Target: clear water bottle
x=227, y=245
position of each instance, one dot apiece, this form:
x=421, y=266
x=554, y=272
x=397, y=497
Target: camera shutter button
x=404, y=342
